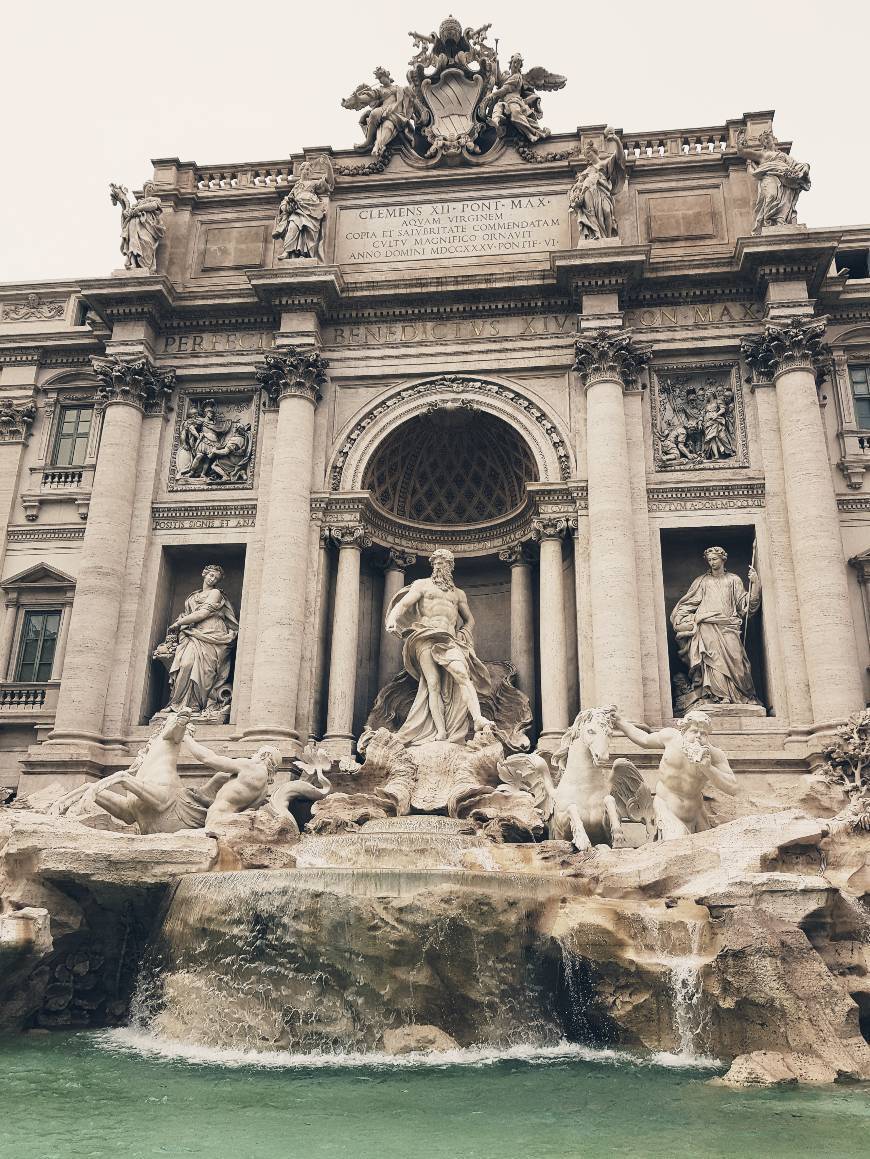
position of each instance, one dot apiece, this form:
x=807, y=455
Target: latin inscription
x=659, y=317
x=389, y=333
x=218, y=342
x=451, y=229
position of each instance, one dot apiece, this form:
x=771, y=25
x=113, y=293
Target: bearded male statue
x=433, y=618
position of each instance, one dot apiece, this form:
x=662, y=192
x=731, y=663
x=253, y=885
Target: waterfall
x=689, y=1008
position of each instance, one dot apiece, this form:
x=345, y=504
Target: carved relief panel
x=215, y=441
x=698, y=419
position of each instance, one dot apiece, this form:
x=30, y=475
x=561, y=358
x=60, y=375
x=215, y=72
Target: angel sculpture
x=390, y=109
x=299, y=223
x=514, y=101
x=591, y=196
x=141, y=227
x=589, y=803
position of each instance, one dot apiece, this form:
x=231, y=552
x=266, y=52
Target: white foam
x=130, y=1041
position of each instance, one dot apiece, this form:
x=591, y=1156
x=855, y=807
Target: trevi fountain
x=436, y=647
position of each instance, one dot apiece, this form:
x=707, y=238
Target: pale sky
x=92, y=91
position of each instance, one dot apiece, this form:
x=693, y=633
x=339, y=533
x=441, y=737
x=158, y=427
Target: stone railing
x=54, y=478
x=264, y=175
x=18, y=696
x=676, y=144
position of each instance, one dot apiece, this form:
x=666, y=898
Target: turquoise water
x=99, y=1095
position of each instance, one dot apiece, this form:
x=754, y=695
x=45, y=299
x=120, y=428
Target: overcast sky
x=92, y=91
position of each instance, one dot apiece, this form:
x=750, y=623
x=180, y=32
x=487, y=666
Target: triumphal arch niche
x=454, y=430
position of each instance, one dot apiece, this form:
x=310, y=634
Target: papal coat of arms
x=458, y=103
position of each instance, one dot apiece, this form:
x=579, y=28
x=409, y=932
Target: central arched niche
x=451, y=466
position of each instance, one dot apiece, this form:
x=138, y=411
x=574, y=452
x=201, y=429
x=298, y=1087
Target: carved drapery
x=610, y=354
x=293, y=372
x=793, y=344
x=134, y=382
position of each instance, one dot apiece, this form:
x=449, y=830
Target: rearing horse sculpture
x=590, y=801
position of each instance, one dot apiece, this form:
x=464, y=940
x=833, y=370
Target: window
x=38, y=642
x=860, y=379
x=73, y=432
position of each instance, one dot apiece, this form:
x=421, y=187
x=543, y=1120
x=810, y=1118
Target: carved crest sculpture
x=213, y=448
x=458, y=103
x=697, y=421
x=301, y=214
x=141, y=226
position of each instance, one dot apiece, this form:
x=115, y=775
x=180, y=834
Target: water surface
x=115, y=1095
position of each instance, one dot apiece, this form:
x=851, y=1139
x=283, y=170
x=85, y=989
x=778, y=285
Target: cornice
x=303, y=284
x=791, y=255
x=128, y=296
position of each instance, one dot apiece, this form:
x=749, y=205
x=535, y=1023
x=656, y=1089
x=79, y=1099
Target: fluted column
x=790, y=353
x=522, y=618
x=608, y=364
x=554, y=656
x=127, y=386
x=345, y=638
x=292, y=379
x=390, y=658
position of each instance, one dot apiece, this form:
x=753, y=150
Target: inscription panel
x=451, y=229
x=229, y=247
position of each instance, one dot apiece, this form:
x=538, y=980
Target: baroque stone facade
x=576, y=365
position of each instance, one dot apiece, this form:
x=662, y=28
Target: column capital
x=515, y=555
x=132, y=381
x=398, y=560
x=610, y=355
x=350, y=535
x=292, y=373
x=791, y=344
x=549, y=527
x=16, y=420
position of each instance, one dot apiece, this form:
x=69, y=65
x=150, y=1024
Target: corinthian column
x=345, y=635
x=126, y=388
x=790, y=353
x=390, y=658
x=522, y=618
x=608, y=363
x=554, y=655
x=291, y=380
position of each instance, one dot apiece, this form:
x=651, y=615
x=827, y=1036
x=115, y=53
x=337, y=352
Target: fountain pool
x=113, y=1095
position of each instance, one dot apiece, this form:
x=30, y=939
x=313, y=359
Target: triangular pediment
x=40, y=575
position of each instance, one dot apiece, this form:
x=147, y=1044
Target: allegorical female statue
x=708, y=624
x=198, y=650
x=299, y=223
x=141, y=226
x=781, y=180
x=591, y=196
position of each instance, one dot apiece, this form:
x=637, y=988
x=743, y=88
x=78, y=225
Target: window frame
x=28, y=614
x=63, y=409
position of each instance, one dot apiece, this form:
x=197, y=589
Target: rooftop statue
x=299, y=223
x=455, y=97
x=141, y=226
x=591, y=196
x=515, y=103
x=781, y=180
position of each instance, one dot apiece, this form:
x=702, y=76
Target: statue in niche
x=299, y=223
x=708, y=624
x=198, y=650
x=390, y=109
x=141, y=226
x=435, y=622
x=514, y=102
x=781, y=180
x=219, y=450
x=696, y=423
x=592, y=194
x=689, y=764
